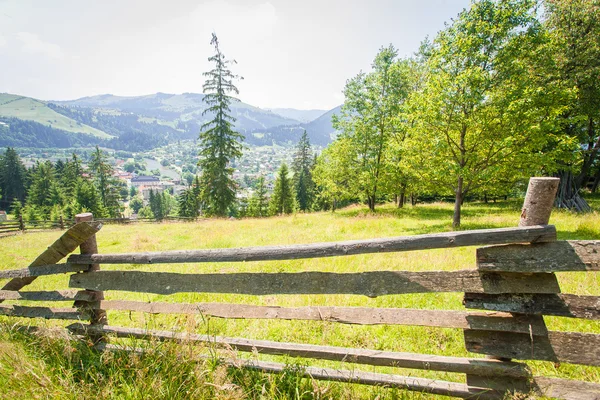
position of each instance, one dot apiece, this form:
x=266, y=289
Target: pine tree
x=302, y=168
x=107, y=185
x=12, y=178
x=259, y=203
x=282, y=201
x=219, y=143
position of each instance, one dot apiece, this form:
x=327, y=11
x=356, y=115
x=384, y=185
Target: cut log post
x=21, y=224
x=539, y=201
x=90, y=246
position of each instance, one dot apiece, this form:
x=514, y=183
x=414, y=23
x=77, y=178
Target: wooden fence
x=505, y=297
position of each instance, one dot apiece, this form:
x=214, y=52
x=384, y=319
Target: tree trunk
x=568, y=194
x=485, y=199
x=596, y=182
x=371, y=201
x=401, y=199
x=413, y=199
x=458, y=203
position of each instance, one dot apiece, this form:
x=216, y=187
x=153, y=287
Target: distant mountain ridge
x=143, y=122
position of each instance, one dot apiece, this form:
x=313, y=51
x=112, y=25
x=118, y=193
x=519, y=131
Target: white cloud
x=31, y=43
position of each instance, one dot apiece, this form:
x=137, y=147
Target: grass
x=68, y=369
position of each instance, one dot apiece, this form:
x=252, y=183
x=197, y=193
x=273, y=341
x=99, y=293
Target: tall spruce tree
x=219, y=142
x=282, y=201
x=12, y=178
x=259, y=203
x=107, y=185
x=302, y=167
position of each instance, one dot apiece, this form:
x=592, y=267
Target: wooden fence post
x=21, y=224
x=539, y=201
x=61, y=222
x=90, y=246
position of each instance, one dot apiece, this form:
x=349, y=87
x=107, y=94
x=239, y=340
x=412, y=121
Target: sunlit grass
x=352, y=223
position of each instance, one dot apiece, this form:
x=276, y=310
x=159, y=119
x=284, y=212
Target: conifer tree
x=12, y=178
x=259, y=204
x=302, y=168
x=107, y=186
x=219, y=142
x=282, y=201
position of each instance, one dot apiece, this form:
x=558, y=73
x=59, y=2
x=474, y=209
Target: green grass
x=71, y=379
x=34, y=110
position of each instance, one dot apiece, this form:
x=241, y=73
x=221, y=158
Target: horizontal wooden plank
x=362, y=356
x=54, y=295
x=393, y=244
x=42, y=270
x=569, y=347
x=562, y=305
x=346, y=315
x=372, y=284
x=426, y=385
x=566, y=389
x=40, y=312
x=573, y=255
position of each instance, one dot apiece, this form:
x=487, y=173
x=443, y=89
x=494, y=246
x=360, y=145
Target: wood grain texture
x=345, y=315
x=561, y=305
x=41, y=270
x=570, y=347
x=372, y=284
x=54, y=295
x=540, y=233
x=566, y=389
x=361, y=356
x=572, y=255
x=41, y=312
x=64, y=245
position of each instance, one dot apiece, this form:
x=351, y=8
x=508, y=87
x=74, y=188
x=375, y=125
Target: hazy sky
x=291, y=53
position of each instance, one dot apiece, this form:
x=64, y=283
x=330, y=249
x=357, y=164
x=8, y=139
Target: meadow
x=50, y=365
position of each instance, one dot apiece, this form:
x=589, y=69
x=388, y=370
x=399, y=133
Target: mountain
x=28, y=109
x=137, y=123
x=299, y=115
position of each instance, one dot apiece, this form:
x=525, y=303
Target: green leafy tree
x=478, y=116
x=43, y=190
x=258, y=206
x=573, y=47
x=219, y=142
x=369, y=118
x=87, y=199
x=333, y=174
x=302, y=166
x=136, y=203
x=282, y=200
x=12, y=178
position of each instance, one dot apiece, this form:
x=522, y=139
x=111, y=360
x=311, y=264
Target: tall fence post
x=90, y=246
x=21, y=223
x=61, y=222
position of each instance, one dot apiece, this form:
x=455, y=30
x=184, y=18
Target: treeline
x=62, y=189
x=501, y=94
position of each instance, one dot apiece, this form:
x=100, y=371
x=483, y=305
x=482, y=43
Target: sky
x=295, y=54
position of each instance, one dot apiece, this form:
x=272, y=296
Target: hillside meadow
x=49, y=365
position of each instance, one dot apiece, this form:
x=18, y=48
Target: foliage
x=219, y=143
x=302, y=166
x=258, y=206
x=369, y=119
x=136, y=203
x=12, y=178
x=189, y=200
x=282, y=200
x=107, y=185
x=479, y=116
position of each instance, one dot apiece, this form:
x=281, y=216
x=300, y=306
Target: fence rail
x=506, y=296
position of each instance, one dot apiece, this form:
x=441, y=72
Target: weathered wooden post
x=539, y=201
x=61, y=223
x=90, y=246
x=21, y=223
